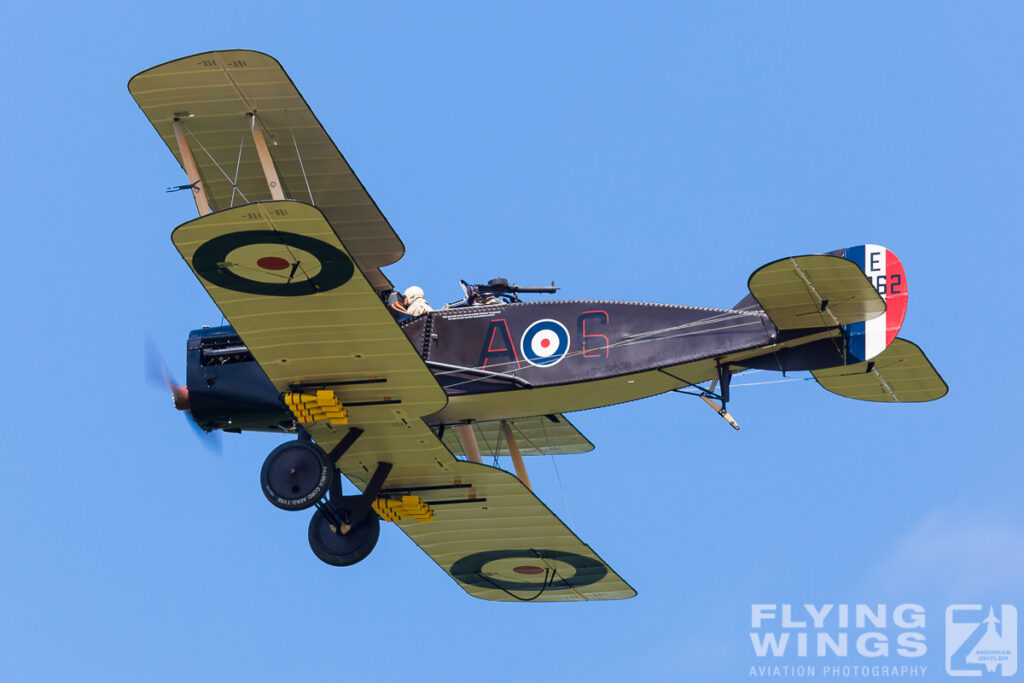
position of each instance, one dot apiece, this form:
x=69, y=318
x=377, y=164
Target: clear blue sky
x=628, y=151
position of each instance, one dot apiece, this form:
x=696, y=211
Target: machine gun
x=499, y=288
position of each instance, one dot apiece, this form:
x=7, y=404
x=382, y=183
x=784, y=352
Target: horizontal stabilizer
x=900, y=374
x=540, y=435
x=802, y=292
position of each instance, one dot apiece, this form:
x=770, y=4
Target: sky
x=638, y=152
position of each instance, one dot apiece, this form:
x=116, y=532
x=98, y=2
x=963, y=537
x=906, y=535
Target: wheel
x=338, y=549
x=296, y=475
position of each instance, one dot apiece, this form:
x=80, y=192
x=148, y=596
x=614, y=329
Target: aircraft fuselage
x=527, y=358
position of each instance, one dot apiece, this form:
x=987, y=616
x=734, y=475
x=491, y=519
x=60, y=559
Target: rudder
x=883, y=269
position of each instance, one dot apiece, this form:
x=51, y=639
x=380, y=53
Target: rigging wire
x=646, y=338
x=222, y=171
x=303, y=167
x=775, y=381
x=238, y=165
x=565, y=499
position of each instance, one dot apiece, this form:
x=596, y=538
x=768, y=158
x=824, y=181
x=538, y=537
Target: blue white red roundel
x=545, y=342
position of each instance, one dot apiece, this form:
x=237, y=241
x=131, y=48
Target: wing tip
x=201, y=54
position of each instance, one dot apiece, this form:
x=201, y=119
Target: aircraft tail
x=862, y=289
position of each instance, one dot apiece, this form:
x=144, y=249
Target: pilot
x=415, y=304
x=475, y=298
x=394, y=300
x=483, y=300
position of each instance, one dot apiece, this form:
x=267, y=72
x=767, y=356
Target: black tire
x=342, y=550
x=296, y=475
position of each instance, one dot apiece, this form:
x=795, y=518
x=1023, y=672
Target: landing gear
x=344, y=529
x=296, y=475
x=339, y=542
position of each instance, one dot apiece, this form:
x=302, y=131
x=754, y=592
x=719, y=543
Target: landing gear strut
x=338, y=541
x=344, y=529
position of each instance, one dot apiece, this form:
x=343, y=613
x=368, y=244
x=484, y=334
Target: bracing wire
x=565, y=499
x=303, y=167
x=219, y=168
x=646, y=337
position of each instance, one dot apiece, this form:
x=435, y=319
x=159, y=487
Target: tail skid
x=709, y=396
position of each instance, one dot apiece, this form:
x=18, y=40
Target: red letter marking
x=598, y=350
x=498, y=328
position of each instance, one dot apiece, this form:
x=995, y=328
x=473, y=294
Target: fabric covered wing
x=289, y=288
x=213, y=95
x=539, y=435
x=801, y=292
x=900, y=374
x=490, y=532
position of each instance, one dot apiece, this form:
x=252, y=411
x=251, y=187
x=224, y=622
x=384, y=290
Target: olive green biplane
x=290, y=247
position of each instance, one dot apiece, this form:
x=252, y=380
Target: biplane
x=290, y=247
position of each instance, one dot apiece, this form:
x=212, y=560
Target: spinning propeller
x=157, y=373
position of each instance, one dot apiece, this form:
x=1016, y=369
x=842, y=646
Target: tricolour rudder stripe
x=896, y=297
x=867, y=339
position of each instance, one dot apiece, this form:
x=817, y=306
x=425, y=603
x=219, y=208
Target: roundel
x=528, y=569
x=545, y=342
x=272, y=263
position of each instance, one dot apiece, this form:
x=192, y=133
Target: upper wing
x=288, y=287
x=800, y=292
x=900, y=374
x=213, y=94
x=539, y=435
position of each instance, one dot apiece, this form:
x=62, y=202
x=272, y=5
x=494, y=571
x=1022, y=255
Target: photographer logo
x=981, y=640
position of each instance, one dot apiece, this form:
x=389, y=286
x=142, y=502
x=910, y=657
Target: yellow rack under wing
x=408, y=507
x=308, y=408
